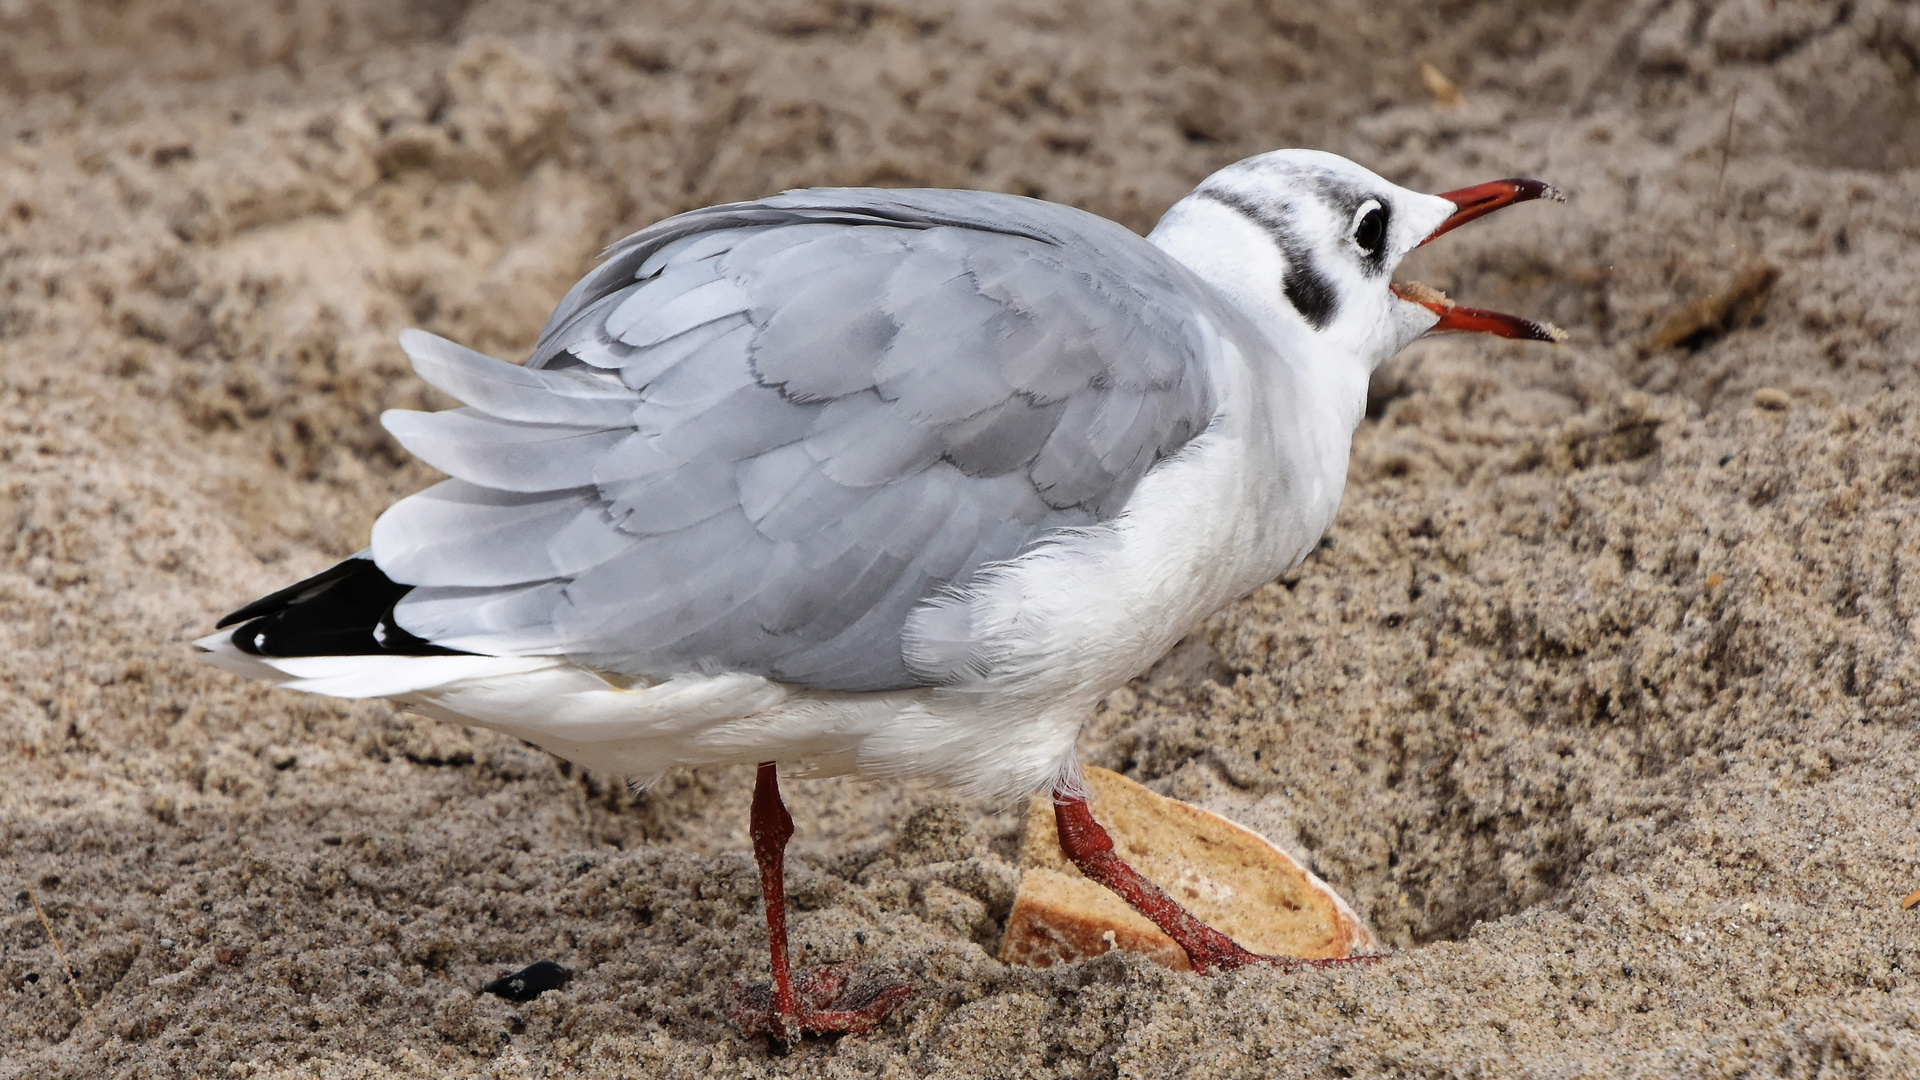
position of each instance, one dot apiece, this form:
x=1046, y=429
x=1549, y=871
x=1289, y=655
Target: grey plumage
x=758, y=436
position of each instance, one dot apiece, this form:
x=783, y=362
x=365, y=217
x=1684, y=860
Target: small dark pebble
x=530, y=981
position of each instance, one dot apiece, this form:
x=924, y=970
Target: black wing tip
x=345, y=610
x=305, y=588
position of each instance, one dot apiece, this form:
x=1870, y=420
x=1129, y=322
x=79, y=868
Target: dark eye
x=1371, y=230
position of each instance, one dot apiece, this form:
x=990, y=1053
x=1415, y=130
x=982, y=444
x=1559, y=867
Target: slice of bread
x=1228, y=876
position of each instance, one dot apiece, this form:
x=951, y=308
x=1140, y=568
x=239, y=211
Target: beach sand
x=1600, y=701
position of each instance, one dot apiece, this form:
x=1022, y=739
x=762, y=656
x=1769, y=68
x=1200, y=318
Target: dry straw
x=72, y=986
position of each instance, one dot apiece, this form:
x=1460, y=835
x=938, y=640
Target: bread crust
x=1226, y=874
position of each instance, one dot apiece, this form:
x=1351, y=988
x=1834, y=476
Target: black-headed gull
x=889, y=482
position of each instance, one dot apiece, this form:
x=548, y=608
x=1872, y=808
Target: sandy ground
x=1599, y=700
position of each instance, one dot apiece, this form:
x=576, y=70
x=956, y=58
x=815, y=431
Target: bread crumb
x=1424, y=294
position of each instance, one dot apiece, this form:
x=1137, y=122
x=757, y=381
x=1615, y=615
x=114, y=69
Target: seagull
x=893, y=483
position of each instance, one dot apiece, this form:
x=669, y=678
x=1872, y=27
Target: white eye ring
x=1360, y=214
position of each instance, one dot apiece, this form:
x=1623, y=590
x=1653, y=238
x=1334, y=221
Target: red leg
x=1209, y=950
x=771, y=827
x=833, y=999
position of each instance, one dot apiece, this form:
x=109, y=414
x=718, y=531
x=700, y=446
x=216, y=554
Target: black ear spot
x=1310, y=293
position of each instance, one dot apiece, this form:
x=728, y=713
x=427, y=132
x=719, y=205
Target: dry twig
x=1717, y=314
x=1726, y=151
x=72, y=986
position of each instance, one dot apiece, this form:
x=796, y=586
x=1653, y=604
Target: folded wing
x=757, y=436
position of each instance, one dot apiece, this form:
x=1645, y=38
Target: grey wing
x=758, y=436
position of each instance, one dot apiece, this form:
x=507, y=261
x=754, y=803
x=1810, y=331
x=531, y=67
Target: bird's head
x=1311, y=240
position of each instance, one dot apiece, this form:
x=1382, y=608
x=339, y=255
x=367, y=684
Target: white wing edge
x=537, y=698
x=363, y=676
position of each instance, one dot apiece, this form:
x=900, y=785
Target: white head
x=1309, y=241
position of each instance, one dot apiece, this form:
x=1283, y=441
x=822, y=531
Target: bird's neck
x=1310, y=392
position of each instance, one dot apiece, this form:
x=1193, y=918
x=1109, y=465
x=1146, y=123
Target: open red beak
x=1473, y=202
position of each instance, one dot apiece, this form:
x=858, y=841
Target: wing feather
x=692, y=249
x=666, y=502
x=860, y=442
x=644, y=319
x=788, y=497
x=502, y=454
x=590, y=538
x=460, y=534
x=478, y=620
x=749, y=422
x=511, y=392
x=640, y=367
x=807, y=347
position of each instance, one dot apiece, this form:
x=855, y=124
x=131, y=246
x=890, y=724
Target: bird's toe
x=838, y=999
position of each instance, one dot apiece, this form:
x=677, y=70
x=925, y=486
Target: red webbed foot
x=836, y=999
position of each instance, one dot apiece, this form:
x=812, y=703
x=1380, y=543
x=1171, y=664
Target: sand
x=1599, y=701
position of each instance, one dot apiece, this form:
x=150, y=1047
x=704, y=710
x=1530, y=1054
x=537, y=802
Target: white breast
x=1067, y=624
